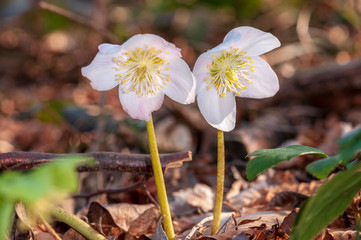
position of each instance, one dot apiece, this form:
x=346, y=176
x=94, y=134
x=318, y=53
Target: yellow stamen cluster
x=230, y=72
x=141, y=71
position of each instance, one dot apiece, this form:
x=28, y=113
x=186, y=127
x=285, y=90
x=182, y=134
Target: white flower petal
x=254, y=41
x=219, y=112
x=251, y=40
x=200, y=70
x=140, y=107
x=107, y=48
x=169, y=50
x=265, y=82
x=181, y=87
x=101, y=72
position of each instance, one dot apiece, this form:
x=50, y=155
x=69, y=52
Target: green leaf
x=38, y=189
x=53, y=21
x=6, y=212
x=59, y=169
x=56, y=176
x=329, y=202
x=52, y=112
x=322, y=168
x=266, y=158
x=350, y=144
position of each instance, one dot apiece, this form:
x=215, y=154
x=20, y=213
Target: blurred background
x=47, y=106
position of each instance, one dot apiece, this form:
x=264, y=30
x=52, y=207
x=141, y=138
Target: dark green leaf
x=266, y=158
x=350, y=145
x=330, y=201
x=322, y=168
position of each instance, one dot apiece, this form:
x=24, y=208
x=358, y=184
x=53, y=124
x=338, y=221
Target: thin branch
x=104, y=161
x=110, y=190
x=50, y=229
x=152, y=199
x=81, y=20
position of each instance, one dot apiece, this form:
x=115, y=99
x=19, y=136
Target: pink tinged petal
x=265, y=82
x=101, y=72
x=140, y=107
x=107, y=48
x=169, y=50
x=181, y=87
x=254, y=41
x=219, y=112
x=200, y=70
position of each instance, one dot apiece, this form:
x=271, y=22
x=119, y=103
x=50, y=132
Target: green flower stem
x=220, y=183
x=159, y=180
x=76, y=223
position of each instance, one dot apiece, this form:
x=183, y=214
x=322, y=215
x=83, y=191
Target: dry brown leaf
x=277, y=234
x=259, y=235
x=287, y=198
x=125, y=214
x=268, y=218
x=250, y=234
x=187, y=201
x=287, y=223
x=236, y=188
x=324, y=235
x=246, y=221
x=249, y=195
x=182, y=224
x=45, y=236
x=72, y=234
x=159, y=232
x=146, y=223
x=252, y=224
x=224, y=236
x=341, y=234
x=101, y=220
x=99, y=214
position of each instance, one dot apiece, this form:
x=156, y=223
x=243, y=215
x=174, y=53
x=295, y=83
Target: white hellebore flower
x=145, y=67
x=234, y=69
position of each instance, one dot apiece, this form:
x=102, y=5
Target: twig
x=72, y=16
x=235, y=222
x=201, y=224
x=108, y=161
x=152, y=199
x=198, y=226
x=230, y=206
x=302, y=29
x=223, y=227
x=50, y=229
x=110, y=190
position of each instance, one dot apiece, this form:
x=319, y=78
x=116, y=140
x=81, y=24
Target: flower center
x=142, y=71
x=230, y=72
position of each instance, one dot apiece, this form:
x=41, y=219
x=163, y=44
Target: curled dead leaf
x=125, y=214
x=146, y=223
